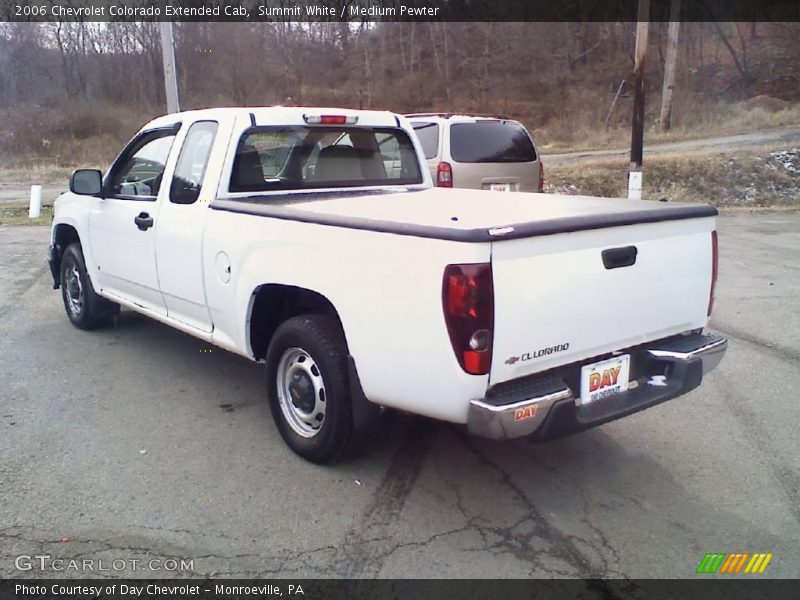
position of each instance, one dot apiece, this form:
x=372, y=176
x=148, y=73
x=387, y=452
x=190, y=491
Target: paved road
x=729, y=143
x=138, y=443
x=17, y=193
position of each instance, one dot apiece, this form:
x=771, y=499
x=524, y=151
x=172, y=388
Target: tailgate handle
x=614, y=258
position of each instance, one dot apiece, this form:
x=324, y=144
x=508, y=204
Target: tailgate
x=505, y=177
x=556, y=302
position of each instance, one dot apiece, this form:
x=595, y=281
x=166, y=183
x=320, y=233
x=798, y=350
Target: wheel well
x=63, y=236
x=272, y=304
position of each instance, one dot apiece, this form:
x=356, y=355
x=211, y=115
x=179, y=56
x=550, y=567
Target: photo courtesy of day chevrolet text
x=149, y=590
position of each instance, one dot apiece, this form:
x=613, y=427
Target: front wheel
x=85, y=309
x=308, y=387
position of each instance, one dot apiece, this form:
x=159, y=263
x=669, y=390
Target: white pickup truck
x=313, y=240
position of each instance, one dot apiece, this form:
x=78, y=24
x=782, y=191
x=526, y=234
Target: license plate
x=500, y=187
x=605, y=378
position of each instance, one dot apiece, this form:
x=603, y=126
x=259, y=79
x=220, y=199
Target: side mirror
x=87, y=182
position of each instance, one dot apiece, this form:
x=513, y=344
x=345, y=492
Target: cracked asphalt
x=136, y=442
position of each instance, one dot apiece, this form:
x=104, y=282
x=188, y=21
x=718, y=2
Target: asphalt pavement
x=14, y=193
x=141, y=443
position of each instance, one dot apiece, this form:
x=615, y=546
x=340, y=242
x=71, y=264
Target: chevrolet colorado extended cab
x=313, y=240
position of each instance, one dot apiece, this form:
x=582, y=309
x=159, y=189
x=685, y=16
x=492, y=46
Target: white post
x=35, y=208
x=170, y=78
x=635, y=185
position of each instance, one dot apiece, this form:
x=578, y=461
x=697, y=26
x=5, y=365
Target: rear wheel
x=85, y=309
x=308, y=387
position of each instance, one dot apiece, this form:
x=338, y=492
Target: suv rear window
x=490, y=142
x=428, y=134
x=308, y=157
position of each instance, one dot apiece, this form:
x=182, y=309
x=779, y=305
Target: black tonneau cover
x=280, y=207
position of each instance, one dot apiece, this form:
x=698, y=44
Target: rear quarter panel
x=385, y=287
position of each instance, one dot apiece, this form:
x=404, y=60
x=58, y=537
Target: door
x=181, y=219
x=122, y=223
x=491, y=154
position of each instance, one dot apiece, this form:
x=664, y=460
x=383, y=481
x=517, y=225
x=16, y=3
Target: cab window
x=137, y=174
x=192, y=163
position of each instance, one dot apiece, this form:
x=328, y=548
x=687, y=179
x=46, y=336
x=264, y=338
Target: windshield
x=308, y=157
x=490, y=141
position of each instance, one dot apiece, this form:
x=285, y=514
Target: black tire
x=321, y=338
x=85, y=309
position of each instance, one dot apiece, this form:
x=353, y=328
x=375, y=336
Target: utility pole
x=665, y=119
x=170, y=77
x=637, y=128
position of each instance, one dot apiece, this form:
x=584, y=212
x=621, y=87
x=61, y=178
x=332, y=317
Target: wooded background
x=66, y=83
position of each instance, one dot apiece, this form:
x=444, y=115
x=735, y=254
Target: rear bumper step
x=543, y=407
x=708, y=349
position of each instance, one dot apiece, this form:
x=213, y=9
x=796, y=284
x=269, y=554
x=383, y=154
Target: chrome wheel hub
x=72, y=281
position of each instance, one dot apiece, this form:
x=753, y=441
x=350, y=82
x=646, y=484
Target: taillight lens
x=444, y=175
x=330, y=119
x=541, y=176
x=468, y=302
x=714, y=270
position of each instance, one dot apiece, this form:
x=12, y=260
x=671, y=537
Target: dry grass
x=43, y=145
x=742, y=179
x=18, y=215
x=585, y=130
x=36, y=172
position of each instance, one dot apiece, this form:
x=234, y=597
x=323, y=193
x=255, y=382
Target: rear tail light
x=714, y=270
x=330, y=119
x=541, y=176
x=468, y=302
x=444, y=175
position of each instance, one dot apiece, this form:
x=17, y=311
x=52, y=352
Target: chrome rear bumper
x=517, y=419
x=528, y=406
x=708, y=349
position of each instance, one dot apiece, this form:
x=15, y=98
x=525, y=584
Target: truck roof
x=281, y=115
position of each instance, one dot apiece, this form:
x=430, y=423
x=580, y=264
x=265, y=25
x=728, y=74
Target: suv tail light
x=444, y=175
x=468, y=302
x=714, y=270
x=541, y=176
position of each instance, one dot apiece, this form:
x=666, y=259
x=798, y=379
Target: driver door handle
x=143, y=221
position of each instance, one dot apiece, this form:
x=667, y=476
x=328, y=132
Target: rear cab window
x=296, y=157
x=491, y=141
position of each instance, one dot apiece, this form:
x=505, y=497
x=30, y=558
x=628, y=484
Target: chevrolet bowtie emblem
x=511, y=360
